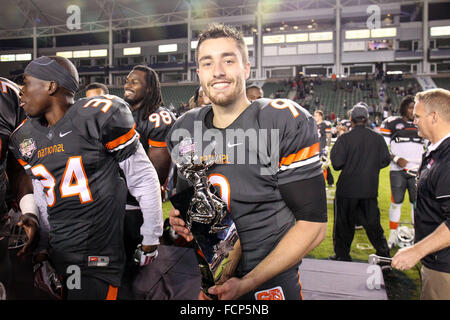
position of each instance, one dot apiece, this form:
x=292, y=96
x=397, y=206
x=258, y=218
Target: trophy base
x=212, y=248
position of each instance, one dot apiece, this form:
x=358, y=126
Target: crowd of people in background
x=135, y=143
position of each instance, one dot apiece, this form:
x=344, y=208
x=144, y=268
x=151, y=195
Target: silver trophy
x=207, y=217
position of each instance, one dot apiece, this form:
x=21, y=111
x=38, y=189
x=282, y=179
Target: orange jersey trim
x=23, y=163
x=303, y=154
x=158, y=144
x=112, y=293
x=122, y=139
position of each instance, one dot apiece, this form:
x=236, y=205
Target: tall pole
x=338, y=39
x=189, y=37
x=259, y=49
x=110, y=50
x=425, y=40
x=34, y=41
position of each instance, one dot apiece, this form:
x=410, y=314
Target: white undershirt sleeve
x=143, y=184
x=41, y=203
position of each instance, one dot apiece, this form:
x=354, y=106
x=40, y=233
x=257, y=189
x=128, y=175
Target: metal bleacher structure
x=339, y=42
x=346, y=38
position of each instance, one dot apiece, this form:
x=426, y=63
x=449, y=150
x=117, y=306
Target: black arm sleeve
x=307, y=199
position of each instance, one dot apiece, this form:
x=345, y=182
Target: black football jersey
x=322, y=129
x=11, y=115
x=153, y=131
x=403, y=137
x=272, y=142
x=76, y=162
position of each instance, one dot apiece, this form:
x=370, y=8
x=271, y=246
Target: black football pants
x=92, y=289
x=345, y=214
x=5, y=264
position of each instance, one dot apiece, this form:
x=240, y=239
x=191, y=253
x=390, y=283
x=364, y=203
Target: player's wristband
x=396, y=159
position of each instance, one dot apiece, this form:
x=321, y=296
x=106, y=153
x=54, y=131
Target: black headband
x=47, y=69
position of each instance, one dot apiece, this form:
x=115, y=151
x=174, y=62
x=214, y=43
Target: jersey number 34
x=73, y=183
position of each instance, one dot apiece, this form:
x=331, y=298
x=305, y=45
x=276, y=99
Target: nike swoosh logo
x=64, y=134
x=233, y=145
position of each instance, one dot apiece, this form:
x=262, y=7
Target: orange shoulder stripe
x=122, y=139
x=303, y=154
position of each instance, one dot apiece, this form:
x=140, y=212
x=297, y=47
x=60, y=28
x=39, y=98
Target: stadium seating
x=442, y=83
x=270, y=88
x=405, y=83
x=176, y=95
x=333, y=100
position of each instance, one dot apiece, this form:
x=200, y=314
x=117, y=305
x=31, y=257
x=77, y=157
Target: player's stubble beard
x=225, y=101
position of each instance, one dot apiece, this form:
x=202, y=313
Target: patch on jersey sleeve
x=27, y=148
x=275, y=293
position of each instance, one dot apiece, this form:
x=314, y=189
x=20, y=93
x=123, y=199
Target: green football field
x=400, y=285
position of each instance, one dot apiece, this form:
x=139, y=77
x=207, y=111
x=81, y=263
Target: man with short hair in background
x=254, y=92
x=432, y=211
x=96, y=89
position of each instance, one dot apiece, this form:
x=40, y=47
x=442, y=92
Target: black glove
x=30, y=224
x=46, y=279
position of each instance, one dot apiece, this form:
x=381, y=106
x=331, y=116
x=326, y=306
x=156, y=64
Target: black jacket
x=360, y=153
x=433, y=202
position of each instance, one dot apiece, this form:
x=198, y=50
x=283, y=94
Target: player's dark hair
x=153, y=98
x=216, y=31
x=404, y=105
x=97, y=85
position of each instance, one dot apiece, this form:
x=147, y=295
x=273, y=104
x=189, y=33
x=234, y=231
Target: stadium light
x=248, y=41
x=7, y=57
x=440, y=31
x=394, y=72
x=279, y=38
x=99, y=53
x=357, y=34
x=163, y=48
x=65, y=54
x=81, y=54
x=15, y=57
x=23, y=57
x=321, y=36
x=383, y=32
x=131, y=51
x=297, y=37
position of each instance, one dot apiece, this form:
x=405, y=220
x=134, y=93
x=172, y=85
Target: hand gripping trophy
x=207, y=217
